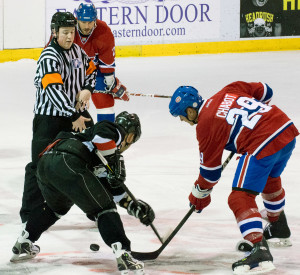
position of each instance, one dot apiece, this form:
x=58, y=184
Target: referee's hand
x=79, y=124
x=83, y=98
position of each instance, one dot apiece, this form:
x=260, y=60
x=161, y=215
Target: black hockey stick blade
x=146, y=256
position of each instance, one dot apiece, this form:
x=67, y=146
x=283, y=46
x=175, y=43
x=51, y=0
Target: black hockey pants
x=64, y=180
x=45, y=128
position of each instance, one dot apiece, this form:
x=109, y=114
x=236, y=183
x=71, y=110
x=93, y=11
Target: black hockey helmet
x=62, y=19
x=130, y=123
x=53, y=20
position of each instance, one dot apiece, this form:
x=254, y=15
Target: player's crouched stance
x=70, y=172
x=239, y=119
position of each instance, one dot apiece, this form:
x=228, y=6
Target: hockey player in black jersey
x=70, y=172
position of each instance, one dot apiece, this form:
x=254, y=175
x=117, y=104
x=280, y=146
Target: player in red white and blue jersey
x=96, y=38
x=239, y=119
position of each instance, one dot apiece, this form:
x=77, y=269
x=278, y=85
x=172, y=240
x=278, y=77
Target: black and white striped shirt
x=60, y=75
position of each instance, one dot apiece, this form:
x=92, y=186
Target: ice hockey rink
x=161, y=168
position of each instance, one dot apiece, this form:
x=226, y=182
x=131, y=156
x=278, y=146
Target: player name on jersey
x=225, y=105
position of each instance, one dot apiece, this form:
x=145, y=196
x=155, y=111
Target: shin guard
x=111, y=228
x=273, y=198
x=246, y=212
x=40, y=219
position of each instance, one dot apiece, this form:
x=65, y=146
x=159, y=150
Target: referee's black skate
x=258, y=261
x=24, y=249
x=126, y=262
x=278, y=233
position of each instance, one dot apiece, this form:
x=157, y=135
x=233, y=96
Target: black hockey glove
x=117, y=176
x=143, y=211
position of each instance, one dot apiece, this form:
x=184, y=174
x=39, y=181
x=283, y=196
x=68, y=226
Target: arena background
x=144, y=27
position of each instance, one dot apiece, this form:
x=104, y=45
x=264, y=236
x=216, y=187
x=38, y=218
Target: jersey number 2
x=249, y=113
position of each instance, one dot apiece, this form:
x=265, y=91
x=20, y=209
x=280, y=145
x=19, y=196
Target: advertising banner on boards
x=267, y=18
x=142, y=22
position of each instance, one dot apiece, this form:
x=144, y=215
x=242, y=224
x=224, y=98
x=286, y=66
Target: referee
x=64, y=80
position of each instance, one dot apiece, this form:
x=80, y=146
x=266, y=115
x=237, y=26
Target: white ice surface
x=161, y=169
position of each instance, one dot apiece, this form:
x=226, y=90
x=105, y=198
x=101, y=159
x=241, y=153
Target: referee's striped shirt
x=60, y=75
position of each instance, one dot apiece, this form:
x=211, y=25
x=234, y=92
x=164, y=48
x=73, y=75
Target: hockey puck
x=94, y=247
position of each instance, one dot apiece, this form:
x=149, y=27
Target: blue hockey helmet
x=86, y=12
x=184, y=97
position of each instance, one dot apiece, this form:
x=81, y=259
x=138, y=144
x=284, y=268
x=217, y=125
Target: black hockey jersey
x=104, y=136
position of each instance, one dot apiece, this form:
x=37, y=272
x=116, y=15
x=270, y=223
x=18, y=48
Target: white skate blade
x=262, y=268
x=139, y=272
x=21, y=257
x=279, y=242
x=135, y=272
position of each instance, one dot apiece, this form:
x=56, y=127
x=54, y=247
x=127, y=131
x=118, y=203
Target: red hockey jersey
x=99, y=46
x=238, y=119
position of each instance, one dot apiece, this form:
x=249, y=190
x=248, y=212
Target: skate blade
x=135, y=272
x=21, y=257
x=279, y=242
x=262, y=268
x=139, y=272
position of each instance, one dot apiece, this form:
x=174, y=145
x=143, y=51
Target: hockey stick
x=136, y=202
x=227, y=160
x=104, y=161
x=150, y=95
x=135, y=94
x=144, y=256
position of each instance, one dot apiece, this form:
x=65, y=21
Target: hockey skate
x=258, y=261
x=278, y=233
x=126, y=262
x=24, y=249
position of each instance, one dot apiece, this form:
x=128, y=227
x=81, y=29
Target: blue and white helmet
x=184, y=97
x=86, y=12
